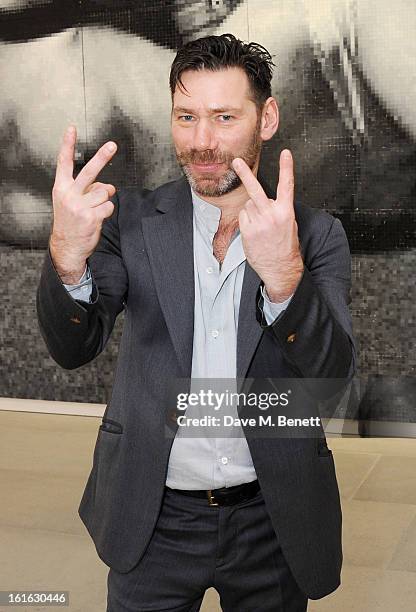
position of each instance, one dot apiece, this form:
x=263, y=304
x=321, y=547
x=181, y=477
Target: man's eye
x=226, y=118
x=184, y=117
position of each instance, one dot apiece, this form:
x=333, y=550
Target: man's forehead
x=211, y=108
x=213, y=89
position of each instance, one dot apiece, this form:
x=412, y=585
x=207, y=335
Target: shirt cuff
x=271, y=310
x=83, y=289
x=84, y=277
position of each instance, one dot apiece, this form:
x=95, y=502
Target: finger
x=110, y=188
x=251, y=210
x=254, y=189
x=243, y=221
x=109, y=194
x=105, y=209
x=95, y=197
x=89, y=172
x=65, y=161
x=286, y=184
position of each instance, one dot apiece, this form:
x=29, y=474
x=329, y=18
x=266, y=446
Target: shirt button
x=210, y=270
x=215, y=333
x=224, y=460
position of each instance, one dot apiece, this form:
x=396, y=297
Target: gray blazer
x=123, y=494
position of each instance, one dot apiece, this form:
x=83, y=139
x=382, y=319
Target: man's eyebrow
x=225, y=109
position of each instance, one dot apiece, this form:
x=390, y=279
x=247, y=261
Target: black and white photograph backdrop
x=346, y=88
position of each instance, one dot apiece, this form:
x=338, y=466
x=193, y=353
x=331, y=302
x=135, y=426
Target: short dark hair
x=226, y=51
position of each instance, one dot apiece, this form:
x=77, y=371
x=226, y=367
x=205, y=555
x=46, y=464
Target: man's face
x=213, y=122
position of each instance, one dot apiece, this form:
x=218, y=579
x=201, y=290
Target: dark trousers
x=194, y=546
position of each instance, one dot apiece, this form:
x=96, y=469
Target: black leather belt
x=226, y=496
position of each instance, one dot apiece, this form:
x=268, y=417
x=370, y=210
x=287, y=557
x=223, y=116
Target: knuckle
x=273, y=217
x=67, y=200
x=56, y=191
x=109, y=209
x=88, y=174
x=87, y=219
x=95, y=186
x=284, y=217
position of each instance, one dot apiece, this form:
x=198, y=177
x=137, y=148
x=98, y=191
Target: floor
x=45, y=459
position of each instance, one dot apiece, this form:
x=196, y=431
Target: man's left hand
x=269, y=231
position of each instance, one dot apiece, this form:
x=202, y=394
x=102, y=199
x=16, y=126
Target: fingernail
x=111, y=147
x=286, y=154
x=70, y=129
x=237, y=163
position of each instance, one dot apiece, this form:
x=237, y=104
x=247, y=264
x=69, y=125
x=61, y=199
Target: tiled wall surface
x=345, y=88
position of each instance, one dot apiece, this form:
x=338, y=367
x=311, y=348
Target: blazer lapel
x=169, y=242
x=249, y=331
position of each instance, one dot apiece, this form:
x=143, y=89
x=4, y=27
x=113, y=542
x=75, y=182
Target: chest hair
x=222, y=239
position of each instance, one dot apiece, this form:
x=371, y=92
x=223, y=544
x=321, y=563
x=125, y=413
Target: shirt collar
x=209, y=216
x=206, y=212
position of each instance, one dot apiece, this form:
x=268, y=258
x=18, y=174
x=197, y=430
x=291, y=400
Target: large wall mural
x=344, y=82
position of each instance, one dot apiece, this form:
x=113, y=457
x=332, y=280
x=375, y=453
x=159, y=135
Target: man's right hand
x=79, y=208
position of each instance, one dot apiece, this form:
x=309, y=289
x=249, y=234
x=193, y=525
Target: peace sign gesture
x=269, y=231
x=80, y=206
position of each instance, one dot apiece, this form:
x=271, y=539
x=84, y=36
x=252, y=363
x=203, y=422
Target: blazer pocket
x=110, y=426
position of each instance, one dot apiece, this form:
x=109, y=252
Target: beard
x=209, y=184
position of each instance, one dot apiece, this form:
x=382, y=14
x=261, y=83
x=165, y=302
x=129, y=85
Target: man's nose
x=204, y=136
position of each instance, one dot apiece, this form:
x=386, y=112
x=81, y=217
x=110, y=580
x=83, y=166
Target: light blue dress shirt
x=208, y=462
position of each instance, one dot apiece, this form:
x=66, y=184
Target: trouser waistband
x=226, y=496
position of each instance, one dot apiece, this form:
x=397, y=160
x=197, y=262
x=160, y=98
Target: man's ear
x=269, y=119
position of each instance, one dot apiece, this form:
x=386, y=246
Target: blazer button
x=291, y=338
x=75, y=319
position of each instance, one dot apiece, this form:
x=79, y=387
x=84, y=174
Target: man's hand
x=269, y=231
x=79, y=208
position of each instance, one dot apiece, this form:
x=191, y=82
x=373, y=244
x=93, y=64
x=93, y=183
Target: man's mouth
x=209, y=167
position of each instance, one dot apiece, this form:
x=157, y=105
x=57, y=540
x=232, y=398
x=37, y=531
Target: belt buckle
x=211, y=499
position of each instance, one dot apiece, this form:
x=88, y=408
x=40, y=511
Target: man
x=219, y=278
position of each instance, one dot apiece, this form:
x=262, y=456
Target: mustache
x=204, y=157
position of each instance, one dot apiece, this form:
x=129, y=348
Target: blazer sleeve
x=76, y=331
x=315, y=330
